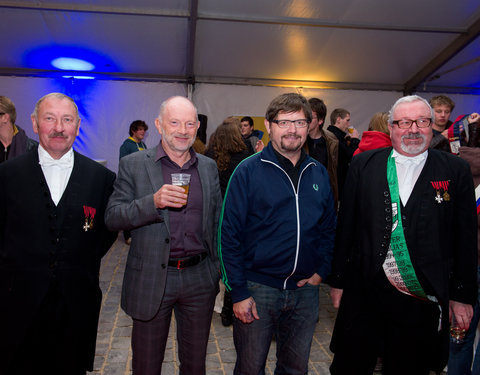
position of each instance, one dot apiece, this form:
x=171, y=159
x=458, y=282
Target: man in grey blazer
x=172, y=263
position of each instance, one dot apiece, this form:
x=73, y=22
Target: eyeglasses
x=407, y=123
x=301, y=123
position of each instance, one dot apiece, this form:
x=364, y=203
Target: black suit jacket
x=41, y=243
x=441, y=237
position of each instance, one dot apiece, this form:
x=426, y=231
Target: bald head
x=176, y=101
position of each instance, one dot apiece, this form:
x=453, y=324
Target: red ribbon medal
x=441, y=185
x=89, y=215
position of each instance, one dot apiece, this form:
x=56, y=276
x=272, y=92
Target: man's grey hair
x=409, y=99
x=56, y=95
x=163, y=106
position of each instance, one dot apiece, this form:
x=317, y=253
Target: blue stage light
x=79, y=77
x=70, y=63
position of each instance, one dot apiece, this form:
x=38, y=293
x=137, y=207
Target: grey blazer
x=131, y=208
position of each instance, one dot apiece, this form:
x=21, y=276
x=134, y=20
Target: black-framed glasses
x=300, y=123
x=406, y=123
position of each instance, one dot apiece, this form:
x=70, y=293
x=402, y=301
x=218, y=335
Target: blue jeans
x=460, y=359
x=291, y=316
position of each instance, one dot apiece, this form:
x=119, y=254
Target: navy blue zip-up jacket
x=272, y=233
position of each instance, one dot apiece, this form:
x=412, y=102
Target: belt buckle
x=179, y=264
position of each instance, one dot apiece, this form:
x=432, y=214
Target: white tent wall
x=221, y=101
x=108, y=107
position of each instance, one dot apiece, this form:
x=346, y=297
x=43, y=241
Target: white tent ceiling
x=407, y=45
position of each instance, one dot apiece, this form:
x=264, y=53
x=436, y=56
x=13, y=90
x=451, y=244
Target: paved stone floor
x=113, y=356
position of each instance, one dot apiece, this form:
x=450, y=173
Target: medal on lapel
x=89, y=215
x=438, y=186
x=446, y=196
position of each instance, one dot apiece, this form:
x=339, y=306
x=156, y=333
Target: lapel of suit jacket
x=205, y=181
x=37, y=171
x=75, y=182
x=155, y=174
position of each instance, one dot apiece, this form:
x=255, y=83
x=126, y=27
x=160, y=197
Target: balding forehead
x=177, y=101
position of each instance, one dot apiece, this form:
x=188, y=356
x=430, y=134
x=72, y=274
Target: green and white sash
x=398, y=265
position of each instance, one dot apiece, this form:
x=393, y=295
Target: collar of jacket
x=268, y=154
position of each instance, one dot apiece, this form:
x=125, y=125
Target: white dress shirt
x=408, y=171
x=56, y=172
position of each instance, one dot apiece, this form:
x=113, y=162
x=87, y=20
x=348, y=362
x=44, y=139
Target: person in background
x=14, y=139
x=442, y=108
x=348, y=140
x=227, y=148
x=253, y=142
x=132, y=144
x=322, y=144
x=53, y=237
x=377, y=135
x=461, y=354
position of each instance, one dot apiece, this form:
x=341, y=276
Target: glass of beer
x=457, y=334
x=182, y=180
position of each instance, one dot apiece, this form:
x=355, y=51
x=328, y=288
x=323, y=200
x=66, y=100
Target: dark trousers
x=384, y=322
x=190, y=293
x=50, y=345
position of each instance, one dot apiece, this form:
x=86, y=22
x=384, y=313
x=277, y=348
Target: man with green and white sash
x=406, y=252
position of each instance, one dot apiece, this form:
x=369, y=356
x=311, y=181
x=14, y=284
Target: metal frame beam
x=442, y=58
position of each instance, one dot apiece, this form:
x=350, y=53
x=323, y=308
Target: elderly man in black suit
x=172, y=264
x=405, y=255
x=52, y=238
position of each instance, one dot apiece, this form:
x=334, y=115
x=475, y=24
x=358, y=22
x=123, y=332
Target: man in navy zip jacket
x=275, y=243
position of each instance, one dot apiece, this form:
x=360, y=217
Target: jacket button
x=167, y=240
x=163, y=265
x=386, y=193
x=381, y=254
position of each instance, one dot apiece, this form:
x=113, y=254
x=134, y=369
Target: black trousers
x=383, y=322
x=48, y=347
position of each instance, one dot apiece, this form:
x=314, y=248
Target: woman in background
x=227, y=148
x=377, y=135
